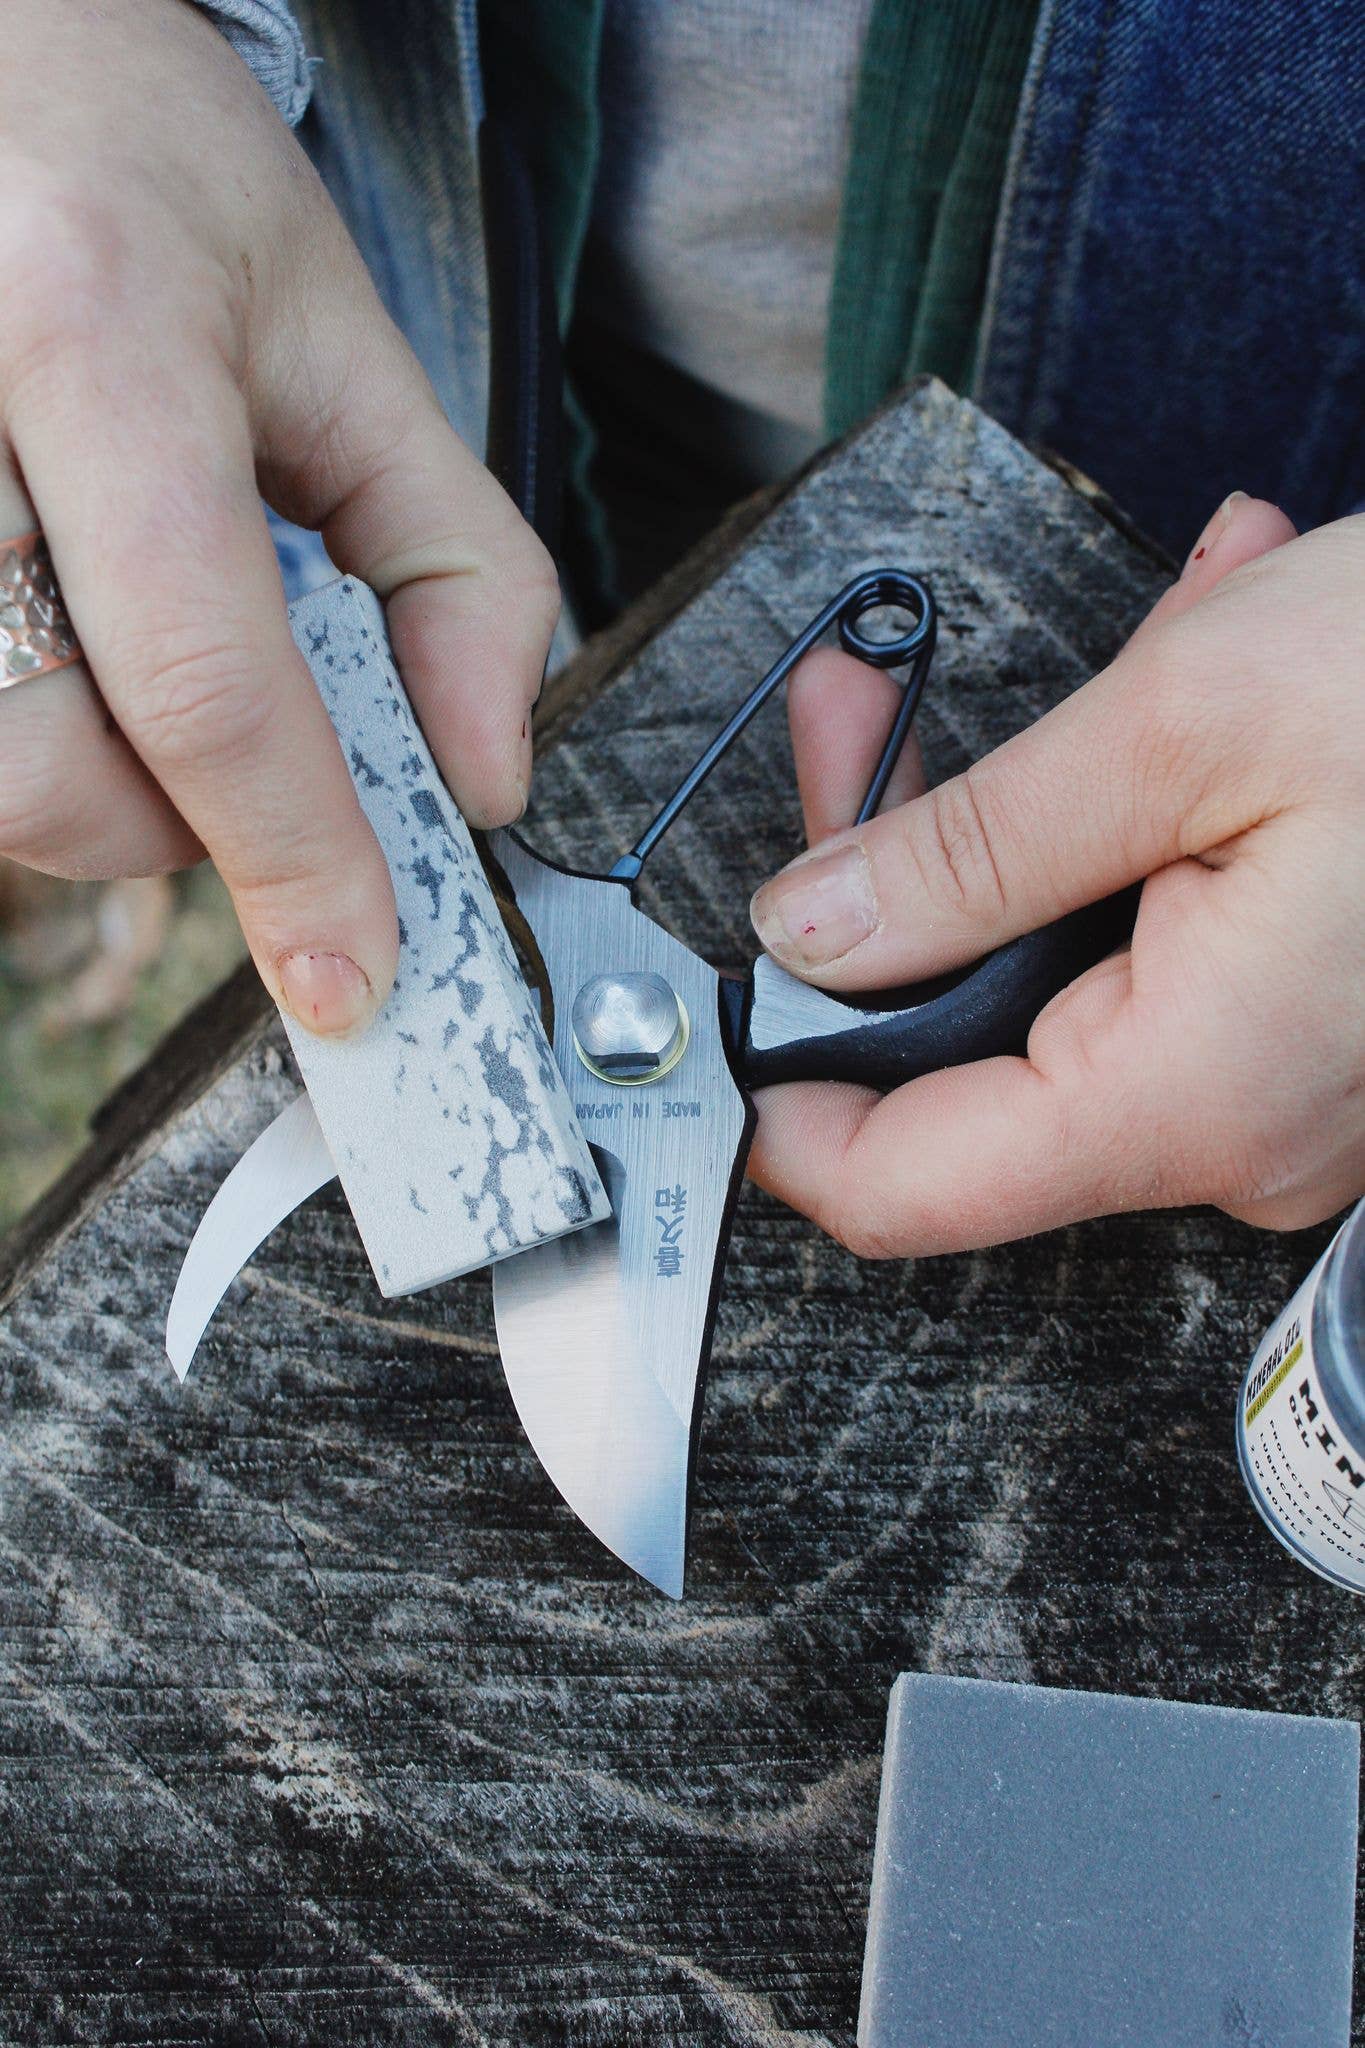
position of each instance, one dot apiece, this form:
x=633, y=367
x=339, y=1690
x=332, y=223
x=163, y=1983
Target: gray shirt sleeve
x=267, y=38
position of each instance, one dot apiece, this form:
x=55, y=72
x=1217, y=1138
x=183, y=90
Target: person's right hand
x=185, y=325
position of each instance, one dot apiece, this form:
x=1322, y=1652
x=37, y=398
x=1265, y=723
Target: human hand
x=1222, y=1058
x=185, y=325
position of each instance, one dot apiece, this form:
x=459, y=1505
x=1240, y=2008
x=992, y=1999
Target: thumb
x=1144, y=764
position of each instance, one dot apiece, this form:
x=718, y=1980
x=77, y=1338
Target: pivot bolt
x=629, y=1028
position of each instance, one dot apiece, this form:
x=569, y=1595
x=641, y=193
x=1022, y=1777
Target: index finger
x=147, y=494
x=840, y=711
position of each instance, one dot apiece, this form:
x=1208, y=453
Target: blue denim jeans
x=1176, y=302
x=1178, y=305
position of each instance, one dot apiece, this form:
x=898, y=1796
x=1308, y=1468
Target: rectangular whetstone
x=1069, y=1869
x=448, y=1119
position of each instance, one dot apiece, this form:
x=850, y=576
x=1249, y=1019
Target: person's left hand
x=1221, y=1059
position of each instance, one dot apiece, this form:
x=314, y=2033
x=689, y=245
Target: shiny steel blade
x=286, y=1164
x=605, y=1334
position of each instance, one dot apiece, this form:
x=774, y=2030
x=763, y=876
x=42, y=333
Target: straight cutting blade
x=605, y=1334
x=283, y=1167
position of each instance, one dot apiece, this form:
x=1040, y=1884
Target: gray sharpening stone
x=447, y=1120
x=1075, y=1870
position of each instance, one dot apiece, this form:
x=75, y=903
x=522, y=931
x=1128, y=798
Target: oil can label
x=1305, y=1476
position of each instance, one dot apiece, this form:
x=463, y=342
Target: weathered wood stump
x=322, y=1720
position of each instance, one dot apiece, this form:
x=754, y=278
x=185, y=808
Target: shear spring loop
x=876, y=590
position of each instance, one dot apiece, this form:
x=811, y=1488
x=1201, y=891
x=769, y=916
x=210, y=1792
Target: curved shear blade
x=605, y=1335
x=287, y=1163
x=596, y=1415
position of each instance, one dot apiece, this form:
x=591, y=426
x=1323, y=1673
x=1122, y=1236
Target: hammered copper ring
x=36, y=634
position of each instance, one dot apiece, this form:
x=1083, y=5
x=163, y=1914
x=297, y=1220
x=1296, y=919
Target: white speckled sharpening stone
x=448, y=1120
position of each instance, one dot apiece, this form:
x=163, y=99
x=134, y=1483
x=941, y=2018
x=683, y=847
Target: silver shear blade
x=604, y=1335
x=286, y=1164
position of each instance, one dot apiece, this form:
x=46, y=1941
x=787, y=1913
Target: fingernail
x=1216, y=528
x=819, y=908
x=327, y=992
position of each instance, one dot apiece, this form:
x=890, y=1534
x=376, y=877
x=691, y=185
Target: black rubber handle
x=793, y=1033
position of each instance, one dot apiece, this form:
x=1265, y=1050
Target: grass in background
x=49, y=1085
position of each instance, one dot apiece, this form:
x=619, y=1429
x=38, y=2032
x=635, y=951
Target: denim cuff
x=269, y=42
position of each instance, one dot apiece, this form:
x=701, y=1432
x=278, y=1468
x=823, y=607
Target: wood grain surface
x=322, y=1721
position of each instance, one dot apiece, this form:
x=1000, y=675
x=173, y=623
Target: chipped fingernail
x=819, y=908
x=1216, y=527
x=327, y=992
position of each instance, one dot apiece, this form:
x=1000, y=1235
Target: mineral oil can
x=1301, y=1415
